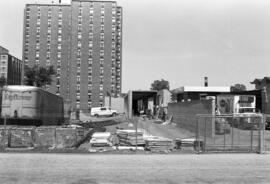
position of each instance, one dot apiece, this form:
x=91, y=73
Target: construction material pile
x=128, y=137
x=154, y=143
x=197, y=145
x=101, y=139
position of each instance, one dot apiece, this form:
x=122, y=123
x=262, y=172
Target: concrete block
x=66, y=137
x=4, y=136
x=45, y=136
x=22, y=136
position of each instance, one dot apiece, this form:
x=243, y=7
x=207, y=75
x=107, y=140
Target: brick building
x=10, y=67
x=83, y=41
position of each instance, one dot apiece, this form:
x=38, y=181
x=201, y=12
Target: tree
x=238, y=87
x=38, y=76
x=160, y=84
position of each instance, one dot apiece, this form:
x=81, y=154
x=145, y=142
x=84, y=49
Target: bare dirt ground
x=134, y=168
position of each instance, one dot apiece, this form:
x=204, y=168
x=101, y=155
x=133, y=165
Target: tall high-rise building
x=10, y=67
x=83, y=41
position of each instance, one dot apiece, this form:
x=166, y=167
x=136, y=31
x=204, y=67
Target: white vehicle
x=102, y=111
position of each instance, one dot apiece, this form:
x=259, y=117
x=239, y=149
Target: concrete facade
x=115, y=104
x=187, y=93
x=184, y=114
x=136, y=101
x=83, y=41
x=10, y=67
x=164, y=98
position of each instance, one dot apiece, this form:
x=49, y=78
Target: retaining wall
x=53, y=136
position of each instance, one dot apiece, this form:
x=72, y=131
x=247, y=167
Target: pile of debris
x=196, y=145
x=128, y=137
x=154, y=143
x=101, y=139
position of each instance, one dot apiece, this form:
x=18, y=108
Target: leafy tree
x=160, y=84
x=38, y=76
x=238, y=87
x=3, y=81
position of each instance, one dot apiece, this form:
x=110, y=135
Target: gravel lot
x=134, y=168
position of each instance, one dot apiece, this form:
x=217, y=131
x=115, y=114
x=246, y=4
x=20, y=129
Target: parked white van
x=102, y=111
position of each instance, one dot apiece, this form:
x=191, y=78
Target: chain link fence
x=230, y=133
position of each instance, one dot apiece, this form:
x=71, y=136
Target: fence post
x=261, y=135
x=251, y=139
x=205, y=129
x=197, y=141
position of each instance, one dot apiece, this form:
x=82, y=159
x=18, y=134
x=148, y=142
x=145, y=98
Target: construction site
x=202, y=119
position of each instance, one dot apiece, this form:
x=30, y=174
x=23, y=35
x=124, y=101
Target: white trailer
x=236, y=104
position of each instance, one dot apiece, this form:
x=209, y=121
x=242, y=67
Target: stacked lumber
x=189, y=142
x=101, y=139
x=128, y=137
x=192, y=142
x=154, y=143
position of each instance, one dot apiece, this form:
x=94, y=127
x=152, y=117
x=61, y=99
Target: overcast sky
x=178, y=40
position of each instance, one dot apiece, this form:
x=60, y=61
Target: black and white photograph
x=134, y=91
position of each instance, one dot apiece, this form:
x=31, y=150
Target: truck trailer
x=31, y=105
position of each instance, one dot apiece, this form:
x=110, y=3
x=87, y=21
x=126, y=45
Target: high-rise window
x=100, y=87
x=101, y=53
x=89, y=70
x=90, y=53
x=79, y=35
x=91, y=36
x=79, y=44
x=58, y=71
x=91, y=27
x=89, y=78
x=102, y=19
x=91, y=11
x=102, y=44
x=79, y=27
x=101, y=62
x=90, y=44
x=79, y=20
x=102, y=36
x=90, y=61
x=101, y=70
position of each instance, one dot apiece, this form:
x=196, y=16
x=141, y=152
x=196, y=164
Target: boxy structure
x=187, y=93
x=263, y=85
x=139, y=100
x=29, y=103
x=115, y=103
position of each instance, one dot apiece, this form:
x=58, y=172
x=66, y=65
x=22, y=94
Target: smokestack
x=59, y=1
x=205, y=81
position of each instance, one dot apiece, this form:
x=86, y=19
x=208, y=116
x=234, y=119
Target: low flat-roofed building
x=187, y=93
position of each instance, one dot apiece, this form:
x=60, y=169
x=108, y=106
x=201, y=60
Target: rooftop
x=202, y=89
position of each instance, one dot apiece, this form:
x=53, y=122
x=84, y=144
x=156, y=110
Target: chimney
x=205, y=81
x=59, y=1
